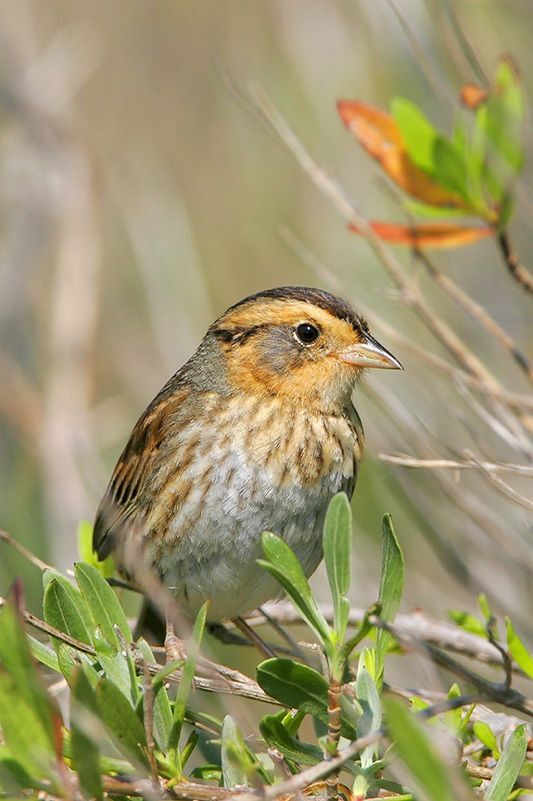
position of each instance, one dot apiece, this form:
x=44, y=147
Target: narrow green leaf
x=283, y=565
x=508, y=767
x=277, y=736
x=484, y=733
x=43, y=654
x=187, y=676
x=13, y=777
x=518, y=650
x=69, y=659
x=117, y=670
x=390, y=590
x=103, y=603
x=122, y=724
x=85, y=548
x=298, y=686
x=337, y=554
x=468, y=622
x=23, y=730
x=417, y=132
x=208, y=773
x=62, y=609
x=188, y=749
x=85, y=735
x=450, y=168
x=423, y=210
x=484, y=607
x=392, y=572
x=162, y=708
x=233, y=756
x=413, y=746
x=505, y=115
x=17, y=662
x=370, y=720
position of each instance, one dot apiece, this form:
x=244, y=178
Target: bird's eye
x=307, y=333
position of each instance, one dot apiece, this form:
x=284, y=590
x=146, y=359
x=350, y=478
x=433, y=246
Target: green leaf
x=370, y=720
x=423, y=210
x=85, y=735
x=187, y=676
x=43, y=654
x=277, y=736
x=17, y=662
x=285, y=567
x=484, y=607
x=116, y=668
x=63, y=609
x=208, y=773
x=467, y=622
x=484, y=733
x=298, y=686
x=85, y=548
x=450, y=169
x=122, y=724
x=162, y=708
x=13, y=777
x=390, y=590
x=233, y=755
x=508, y=767
x=337, y=554
x=430, y=150
x=69, y=659
x=413, y=746
x=505, y=115
x=518, y=650
x=104, y=605
x=417, y=132
x=23, y=729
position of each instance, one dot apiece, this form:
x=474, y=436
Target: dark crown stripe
x=318, y=297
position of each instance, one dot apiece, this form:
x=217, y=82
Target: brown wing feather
x=125, y=499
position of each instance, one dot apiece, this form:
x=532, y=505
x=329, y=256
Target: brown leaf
x=432, y=235
x=472, y=96
x=378, y=133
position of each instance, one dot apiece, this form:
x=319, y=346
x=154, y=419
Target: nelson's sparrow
x=255, y=432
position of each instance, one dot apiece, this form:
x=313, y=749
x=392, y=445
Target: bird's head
x=298, y=343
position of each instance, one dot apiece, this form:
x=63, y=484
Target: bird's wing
x=125, y=499
x=359, y=444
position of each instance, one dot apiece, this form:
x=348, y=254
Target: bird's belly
x=213, y=542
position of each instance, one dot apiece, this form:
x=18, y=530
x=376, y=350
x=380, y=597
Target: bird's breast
x=261, y=468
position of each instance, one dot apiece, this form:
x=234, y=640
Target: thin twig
x=39, y=563
x=405, y=460
x=498, y=692
x=477, y=772
x=442, y=634
x=476, y=311
x=519, y=272
x=231, y=681
x=504, y=488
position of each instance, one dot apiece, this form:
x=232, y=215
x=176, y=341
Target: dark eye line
x=238, y=335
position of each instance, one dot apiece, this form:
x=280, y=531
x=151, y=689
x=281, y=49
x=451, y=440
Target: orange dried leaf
x=378, y=133
x=472, y=96
x=431, y=235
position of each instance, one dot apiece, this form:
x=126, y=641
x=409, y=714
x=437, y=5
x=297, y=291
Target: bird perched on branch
x=255, y=432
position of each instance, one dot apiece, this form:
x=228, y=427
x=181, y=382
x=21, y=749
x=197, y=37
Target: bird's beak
x=369, y=353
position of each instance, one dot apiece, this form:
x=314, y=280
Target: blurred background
x=141, y=194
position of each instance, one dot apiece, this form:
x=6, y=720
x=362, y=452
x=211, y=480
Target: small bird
x=256, y=432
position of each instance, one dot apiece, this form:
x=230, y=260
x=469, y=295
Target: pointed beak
x=369, y=353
